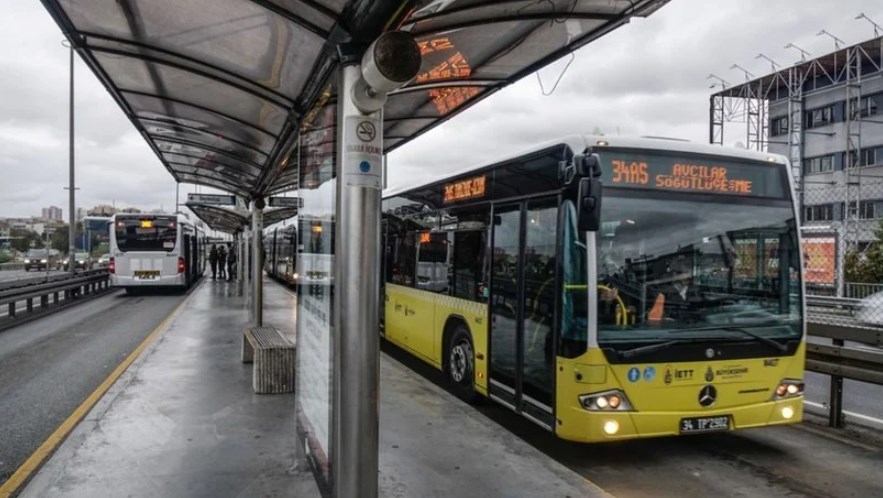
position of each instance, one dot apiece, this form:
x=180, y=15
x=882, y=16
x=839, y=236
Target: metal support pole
x=257, y=229
x=72, y=215
x=356, y=302
x=246, y=271
x=835, y=399
x=177, y=196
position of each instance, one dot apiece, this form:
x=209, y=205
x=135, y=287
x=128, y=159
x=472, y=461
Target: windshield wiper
x=766, y=340
x=631, y=353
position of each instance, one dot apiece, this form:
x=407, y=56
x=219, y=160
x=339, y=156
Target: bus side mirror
x=588, y=170
x=589, y=204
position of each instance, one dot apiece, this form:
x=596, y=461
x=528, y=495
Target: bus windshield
x=672, y=267
x=146, y=234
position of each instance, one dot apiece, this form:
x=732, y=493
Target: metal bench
x=273, y=357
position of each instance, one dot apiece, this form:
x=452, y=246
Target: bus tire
x=460, y=364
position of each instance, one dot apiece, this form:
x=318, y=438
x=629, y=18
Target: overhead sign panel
x=296, y=202
x=211, y=199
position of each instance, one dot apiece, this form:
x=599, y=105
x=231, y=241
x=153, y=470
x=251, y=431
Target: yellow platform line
x=23, y=473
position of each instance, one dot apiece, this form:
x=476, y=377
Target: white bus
x=150, y=250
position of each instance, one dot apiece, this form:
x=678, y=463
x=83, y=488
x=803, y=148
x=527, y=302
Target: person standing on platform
x=222, y=262
x=213, y=260
x=231, y=262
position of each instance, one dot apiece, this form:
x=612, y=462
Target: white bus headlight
x=788, y=388
x=613, y=400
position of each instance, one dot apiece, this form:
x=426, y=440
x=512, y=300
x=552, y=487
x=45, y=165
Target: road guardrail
x=19, y=304
x=844, y=362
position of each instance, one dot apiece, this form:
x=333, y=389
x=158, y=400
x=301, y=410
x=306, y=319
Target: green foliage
x=4, y=257
x=866, y=266
x=23, y=239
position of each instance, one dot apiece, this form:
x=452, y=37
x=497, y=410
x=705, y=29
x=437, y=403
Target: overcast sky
x=647, y=78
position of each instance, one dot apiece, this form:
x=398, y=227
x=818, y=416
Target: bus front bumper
x=582, y=425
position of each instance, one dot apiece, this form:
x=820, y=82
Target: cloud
x=647, y=78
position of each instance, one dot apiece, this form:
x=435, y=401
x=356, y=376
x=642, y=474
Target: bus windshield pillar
x=257, y=221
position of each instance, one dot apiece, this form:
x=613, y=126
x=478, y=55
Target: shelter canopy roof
x=221, y=88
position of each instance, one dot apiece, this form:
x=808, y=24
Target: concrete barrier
x=11, y=266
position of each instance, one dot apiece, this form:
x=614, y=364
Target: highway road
x=49, y=366
x=804, y=460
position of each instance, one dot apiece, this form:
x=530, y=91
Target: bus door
x=523, y=293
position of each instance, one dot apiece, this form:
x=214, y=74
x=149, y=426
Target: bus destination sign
x=469, y=188
x=710, y=175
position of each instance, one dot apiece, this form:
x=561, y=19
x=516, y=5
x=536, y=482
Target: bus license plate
x=705, y=424
x=147, y=275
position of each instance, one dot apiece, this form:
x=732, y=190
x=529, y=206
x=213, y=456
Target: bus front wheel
x=460, y=364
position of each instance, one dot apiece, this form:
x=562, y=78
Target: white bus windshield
x=146, y=234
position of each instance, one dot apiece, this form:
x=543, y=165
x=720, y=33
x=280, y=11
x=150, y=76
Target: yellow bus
x=607, y=288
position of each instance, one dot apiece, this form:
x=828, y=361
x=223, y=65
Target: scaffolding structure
x=749, y=104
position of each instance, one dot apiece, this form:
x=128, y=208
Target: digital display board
x=469, y=188
x=692, y=174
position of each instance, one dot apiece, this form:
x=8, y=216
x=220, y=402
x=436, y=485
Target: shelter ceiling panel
x=218, y=218
x=151, y=107
x=214, y=140
x=212, y=161
x=212, y=182
x=272, y=216
x=213, y=171
x=177, y=84
x=239, y=37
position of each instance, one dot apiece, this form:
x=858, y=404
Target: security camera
x=390, y=62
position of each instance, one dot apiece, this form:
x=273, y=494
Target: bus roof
x=579, y=143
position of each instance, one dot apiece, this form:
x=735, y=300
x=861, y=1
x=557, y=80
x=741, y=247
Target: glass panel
x=469, y=269
x=256, y=152
x=694, y=270
x=146, y=234
x=161, y=80
x=240, y=37
x=574, y=295
x=504, y=304
x=149, y=107
x=433, y=262
x=540, y=242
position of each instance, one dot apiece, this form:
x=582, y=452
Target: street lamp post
x=72, y=215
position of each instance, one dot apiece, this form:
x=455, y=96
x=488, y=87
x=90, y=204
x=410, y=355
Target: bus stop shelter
x=257, y=97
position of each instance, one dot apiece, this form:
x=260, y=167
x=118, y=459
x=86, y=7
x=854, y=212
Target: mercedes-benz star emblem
x=707, y=396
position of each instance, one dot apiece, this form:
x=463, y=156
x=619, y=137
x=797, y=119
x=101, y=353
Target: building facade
x=52, y=213
x=826, y=116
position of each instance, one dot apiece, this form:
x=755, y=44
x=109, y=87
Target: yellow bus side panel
x=662, y=394
x=415, y=320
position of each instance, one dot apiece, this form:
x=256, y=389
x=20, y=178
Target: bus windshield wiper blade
x=631, y=353
x=766, y=340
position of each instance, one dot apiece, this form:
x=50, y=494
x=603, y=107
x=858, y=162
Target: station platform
x=183, y=421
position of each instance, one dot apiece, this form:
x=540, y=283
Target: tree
x=59, y=239
x=866, y=266
x=22, y=239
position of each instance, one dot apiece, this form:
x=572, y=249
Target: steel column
x=257, y=229
x=72, y=215
x=356, y=304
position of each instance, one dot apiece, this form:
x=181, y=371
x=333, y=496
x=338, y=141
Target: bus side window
x=469, y=255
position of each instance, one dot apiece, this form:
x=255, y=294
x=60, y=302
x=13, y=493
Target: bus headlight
x=613, y=400
x=788, y=388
